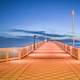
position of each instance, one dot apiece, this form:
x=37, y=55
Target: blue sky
x=52, y=16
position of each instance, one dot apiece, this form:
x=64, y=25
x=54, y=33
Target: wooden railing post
x=19, y=54
x=7, y=55
x=78, y=53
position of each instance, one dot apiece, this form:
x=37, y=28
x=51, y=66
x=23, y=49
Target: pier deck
x=49, y=62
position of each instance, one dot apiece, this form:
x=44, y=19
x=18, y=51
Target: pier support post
x=78, y=53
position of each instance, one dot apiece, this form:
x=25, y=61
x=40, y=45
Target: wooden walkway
x=49, y=62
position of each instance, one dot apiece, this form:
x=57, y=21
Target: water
x=27, y=40
x=17, y=42
x=70, y=42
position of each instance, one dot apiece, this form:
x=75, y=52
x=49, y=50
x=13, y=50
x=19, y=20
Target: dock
x=49, y=61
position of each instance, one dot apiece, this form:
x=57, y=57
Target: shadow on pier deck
x=48, y=62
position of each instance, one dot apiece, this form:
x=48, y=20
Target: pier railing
x=7, y=54
x=73, y=51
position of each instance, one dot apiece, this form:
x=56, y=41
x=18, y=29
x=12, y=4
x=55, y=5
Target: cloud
x=16, y=33
x=13, y=34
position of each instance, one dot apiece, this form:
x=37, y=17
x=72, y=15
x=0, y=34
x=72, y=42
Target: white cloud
x=14, y=34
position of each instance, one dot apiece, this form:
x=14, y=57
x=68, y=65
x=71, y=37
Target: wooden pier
x=49, y=61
